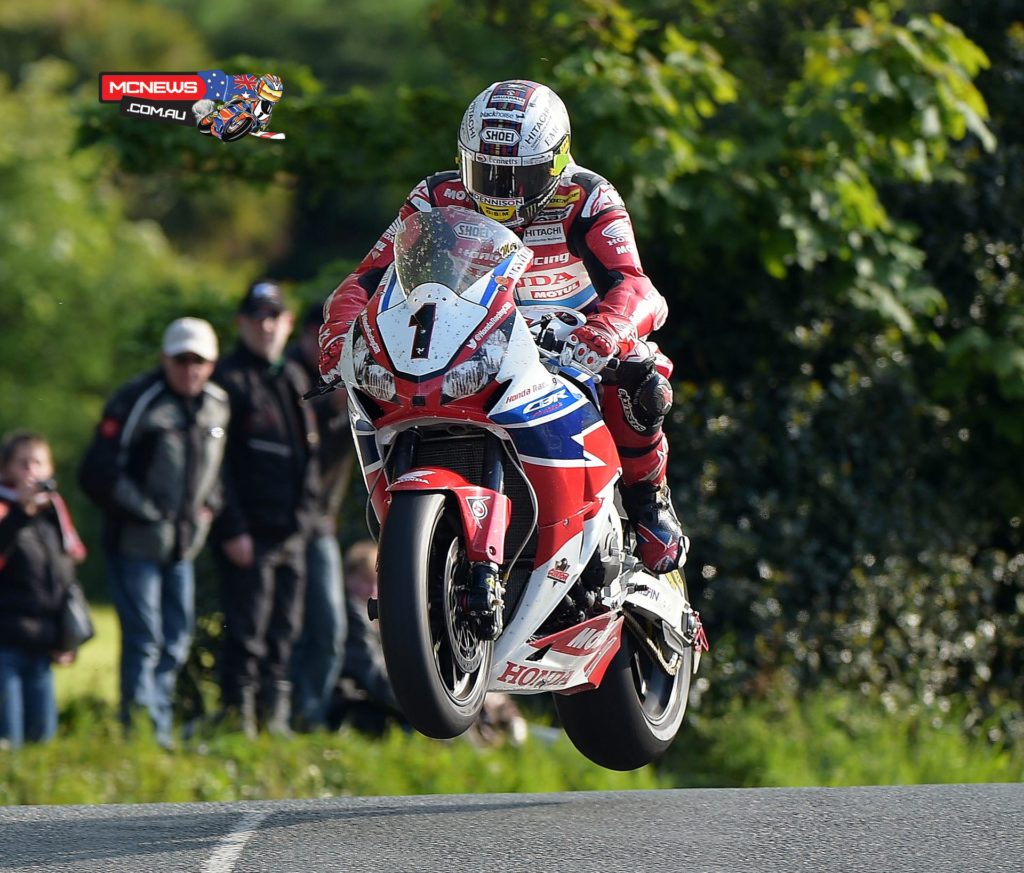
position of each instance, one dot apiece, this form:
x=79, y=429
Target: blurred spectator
x=38, y=550
x=316, y=662
x=154, y=468
x=271, y=485
x=364, y=696
x=499, y=722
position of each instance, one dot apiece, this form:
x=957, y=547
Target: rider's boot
x=635, y=403
x=660, y=538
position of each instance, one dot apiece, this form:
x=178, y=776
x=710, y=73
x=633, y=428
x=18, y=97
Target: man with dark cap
x=271, y=485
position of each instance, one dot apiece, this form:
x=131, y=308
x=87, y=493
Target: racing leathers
x=585, y=259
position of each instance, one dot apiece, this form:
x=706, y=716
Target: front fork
x=482, y=603
x=485, y=603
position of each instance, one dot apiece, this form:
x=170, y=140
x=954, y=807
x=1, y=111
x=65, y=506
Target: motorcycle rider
x=269, y=91
x=515, y=167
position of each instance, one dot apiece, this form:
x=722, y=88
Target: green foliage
x=828, y=195
x=94, y=37
x=830, y=738
x=836, y=739
x=73, y=270
x=91, y=763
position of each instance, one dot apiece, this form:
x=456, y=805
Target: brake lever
x=322, y=388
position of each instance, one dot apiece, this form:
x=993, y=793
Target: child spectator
x=38, y=550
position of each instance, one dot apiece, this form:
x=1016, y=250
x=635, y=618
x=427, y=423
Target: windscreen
x=452, y=246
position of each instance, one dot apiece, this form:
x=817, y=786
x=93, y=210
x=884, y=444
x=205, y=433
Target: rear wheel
x=634, y=714
x=438, y=667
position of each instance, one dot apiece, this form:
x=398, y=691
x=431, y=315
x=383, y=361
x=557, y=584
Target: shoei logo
x=499, y=136
x=466, y=230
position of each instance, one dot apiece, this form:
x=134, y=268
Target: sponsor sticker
x=549, y=260
x=533, y=677
x=617, y=232
x=415, y=476
x=546, y=402
x=501, y=114
x=479, y=507
x=560, y=572
x=526, y=392
x=565, y=199
x=603, y=197
x=371, y=340
x=544, y=234
x=495, y=319
x=468, y=230
x=516, y=97
x=503, y=136
x=537, y=129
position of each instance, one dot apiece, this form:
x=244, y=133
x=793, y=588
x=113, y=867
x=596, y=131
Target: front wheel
x=634, y=714
x=438, y=667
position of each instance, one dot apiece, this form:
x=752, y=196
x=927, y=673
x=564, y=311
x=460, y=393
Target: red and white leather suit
x=585, y=258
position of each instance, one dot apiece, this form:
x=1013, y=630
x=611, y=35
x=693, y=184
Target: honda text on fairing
x=505, y=564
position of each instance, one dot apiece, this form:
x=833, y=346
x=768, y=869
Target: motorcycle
x=506, y=563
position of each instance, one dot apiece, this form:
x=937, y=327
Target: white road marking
x=230, y=847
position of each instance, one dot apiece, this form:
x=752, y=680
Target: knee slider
x=645, y=405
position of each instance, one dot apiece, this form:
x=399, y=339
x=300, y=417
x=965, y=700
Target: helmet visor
x=507, y=182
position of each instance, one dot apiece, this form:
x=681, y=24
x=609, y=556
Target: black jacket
x=153, y=464
x=34, y=575
x=271, y=474
x=336, y=455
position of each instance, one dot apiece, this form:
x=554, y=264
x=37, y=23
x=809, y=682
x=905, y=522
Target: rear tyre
x=438, y=667
x=634, y=714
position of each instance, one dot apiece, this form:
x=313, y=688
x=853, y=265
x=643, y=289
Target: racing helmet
x=513, y=148
x=270, y=88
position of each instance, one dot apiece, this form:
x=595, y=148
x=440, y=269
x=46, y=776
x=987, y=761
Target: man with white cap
x=153, y=467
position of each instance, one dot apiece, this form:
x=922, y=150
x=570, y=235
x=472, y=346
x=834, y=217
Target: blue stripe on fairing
x=387, y=294
x=492, y=286
x=579, y=300
x=554, y=439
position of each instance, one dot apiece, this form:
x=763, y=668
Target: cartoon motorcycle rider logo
x=248, y=112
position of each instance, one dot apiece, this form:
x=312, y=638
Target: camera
x=46, y=485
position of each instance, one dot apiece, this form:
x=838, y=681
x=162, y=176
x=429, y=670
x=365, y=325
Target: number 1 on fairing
x=423, y=320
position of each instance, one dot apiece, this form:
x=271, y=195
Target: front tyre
x=634, y=714
x=438, y=668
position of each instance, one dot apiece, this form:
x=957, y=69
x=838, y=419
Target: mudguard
x=485, y=513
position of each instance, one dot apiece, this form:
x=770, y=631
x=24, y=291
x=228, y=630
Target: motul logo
x=167, y=86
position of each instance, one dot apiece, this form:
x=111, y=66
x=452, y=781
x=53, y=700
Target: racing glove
x=592, y=345
x=331, y=345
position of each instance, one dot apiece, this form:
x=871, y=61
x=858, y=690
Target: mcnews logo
x=154, y=86
x=225, y=106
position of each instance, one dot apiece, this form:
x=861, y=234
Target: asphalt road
x=963, y=828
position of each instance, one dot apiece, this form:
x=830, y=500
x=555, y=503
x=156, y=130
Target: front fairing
x=436, y=336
